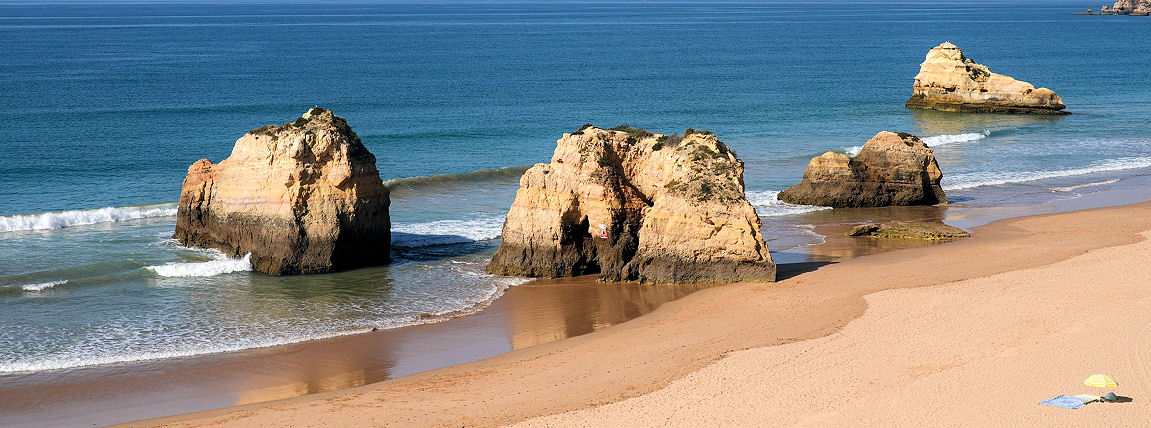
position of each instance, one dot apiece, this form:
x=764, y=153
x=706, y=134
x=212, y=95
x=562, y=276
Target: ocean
x=104, y=107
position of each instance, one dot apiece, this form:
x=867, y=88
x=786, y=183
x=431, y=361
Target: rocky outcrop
x=891, y=169
x=950, y=81
x=1124, y=7
x=931, y=231
x=302, y=197
x=1132, y=7
x=628, y=204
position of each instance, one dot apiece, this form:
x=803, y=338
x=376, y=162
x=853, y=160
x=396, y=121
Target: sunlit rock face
x=628, y=204
x=950, y=81
x=891, y=169
x=302, y=197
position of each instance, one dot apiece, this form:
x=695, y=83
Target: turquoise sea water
x=104, y=106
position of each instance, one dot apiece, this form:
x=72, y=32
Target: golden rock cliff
x=950, y=81
x=891, y=169
x=303, y=197
x=631, y=205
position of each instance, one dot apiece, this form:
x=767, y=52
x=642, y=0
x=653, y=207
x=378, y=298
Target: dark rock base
x=982, y=108
x=663, y=269
x=280, y=247
x=857, y=195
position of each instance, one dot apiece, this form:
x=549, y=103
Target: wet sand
x=527, y=315
x=813, y=300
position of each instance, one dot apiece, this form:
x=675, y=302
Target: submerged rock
x=891, y=169
x=909, y=230
x=950, y=81
x=302, y=197
x=628, y=204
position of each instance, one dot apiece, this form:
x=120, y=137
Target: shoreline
x=527, y=314
x=688, y=334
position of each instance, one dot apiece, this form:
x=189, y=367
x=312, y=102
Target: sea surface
x=104, y=106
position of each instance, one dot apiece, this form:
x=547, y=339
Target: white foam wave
x=767, y=204
x=499, y=286
x=1080, y=186
x=57, y=363
x=61, y=219
x=973, y=180
x=934, y=141
x=442, y=232
x=219, y=266
x=941, y=140
x=42, y=286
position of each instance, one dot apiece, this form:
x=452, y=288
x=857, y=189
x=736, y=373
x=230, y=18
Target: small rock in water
x=892, y=169
x=909, y=230
x=949, y=81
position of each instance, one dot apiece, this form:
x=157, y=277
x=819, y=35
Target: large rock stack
x=950, y=81
x=891, y=169
x=302, y=197
x=628, y=204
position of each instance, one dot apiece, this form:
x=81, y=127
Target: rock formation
x=891, y=169
x=632, y=205
x=1132, y=7
x=931, y=231
x=949, y=81
x=1124, y=7
x=302, y=197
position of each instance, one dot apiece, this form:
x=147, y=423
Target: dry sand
x=970, y=333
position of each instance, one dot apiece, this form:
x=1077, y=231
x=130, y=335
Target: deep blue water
x=106, y=105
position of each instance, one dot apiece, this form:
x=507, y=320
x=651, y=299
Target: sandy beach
x=973, y=332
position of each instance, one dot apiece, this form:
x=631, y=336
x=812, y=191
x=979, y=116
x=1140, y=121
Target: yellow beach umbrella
x=1100, y=381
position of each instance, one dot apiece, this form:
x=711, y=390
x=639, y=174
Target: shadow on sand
x=790, y=270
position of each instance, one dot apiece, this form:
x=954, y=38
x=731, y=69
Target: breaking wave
x=767, y=204
x=980, y=179
x=42, y=286
x=1080, y=186
x=38, y=286
x=934, y=141
x=219, y=266
x=62, y=219
x=942, y=140
x=443, y=232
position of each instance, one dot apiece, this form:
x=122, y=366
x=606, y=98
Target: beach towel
x=1064, y=402
x=1088, y=398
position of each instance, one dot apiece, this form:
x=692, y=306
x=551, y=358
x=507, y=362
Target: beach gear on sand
x=1088, y=398
x=1100, y=381
x=1065, y=402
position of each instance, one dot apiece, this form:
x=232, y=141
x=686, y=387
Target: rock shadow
x=790, y=270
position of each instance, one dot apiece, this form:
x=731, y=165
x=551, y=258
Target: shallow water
x=106, y=105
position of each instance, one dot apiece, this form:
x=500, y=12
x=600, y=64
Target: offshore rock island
x=891, y=169
x=1123, y=7
x=303, y=197
x=949, y=81
x=629, y=204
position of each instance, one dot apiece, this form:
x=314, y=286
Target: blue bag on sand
x=1064, y=402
